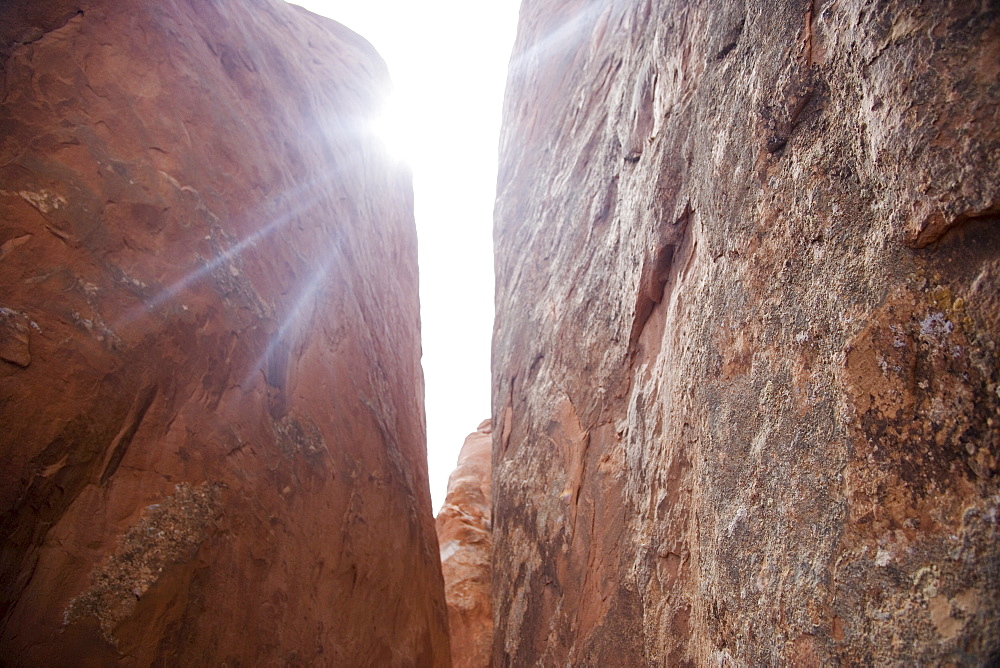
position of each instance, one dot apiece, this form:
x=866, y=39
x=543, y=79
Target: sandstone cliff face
x=210, y=385
x=464, y=529
x=745, y=387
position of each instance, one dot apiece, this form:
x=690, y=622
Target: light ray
x=293, y=315
x=567, y=34
x=301, y=197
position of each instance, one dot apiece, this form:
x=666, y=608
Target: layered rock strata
x=464, y=533
x=746, y=403
x=210, y=382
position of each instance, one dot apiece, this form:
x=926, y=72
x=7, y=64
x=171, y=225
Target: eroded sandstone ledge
x=464, y=528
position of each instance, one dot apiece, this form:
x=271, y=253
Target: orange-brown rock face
x=463, y=529
x=210, y=377
x=746, y=404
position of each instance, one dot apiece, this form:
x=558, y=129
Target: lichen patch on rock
x=166, y=533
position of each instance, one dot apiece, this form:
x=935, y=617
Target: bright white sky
x=448, y=61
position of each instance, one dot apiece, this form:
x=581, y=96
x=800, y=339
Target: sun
x=392, y=128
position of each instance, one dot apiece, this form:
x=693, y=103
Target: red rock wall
x=464, y=530
x=746, y=404
x=210, y=386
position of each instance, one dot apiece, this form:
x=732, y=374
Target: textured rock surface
x=463, y=529
x=210, y=383
x=745, y=364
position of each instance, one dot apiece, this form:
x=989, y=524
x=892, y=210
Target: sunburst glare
x=448, y=63
x=393, y=128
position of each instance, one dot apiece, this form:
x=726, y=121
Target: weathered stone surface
x=210, y=383
x=15, y=337
x=463, y=529
x=745, y=361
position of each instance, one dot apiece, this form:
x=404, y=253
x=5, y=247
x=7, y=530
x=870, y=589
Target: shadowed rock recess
x=745, y=360
x=210, y=385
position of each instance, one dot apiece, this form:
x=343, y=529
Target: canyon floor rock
x=210, y=383
x=745, y=386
